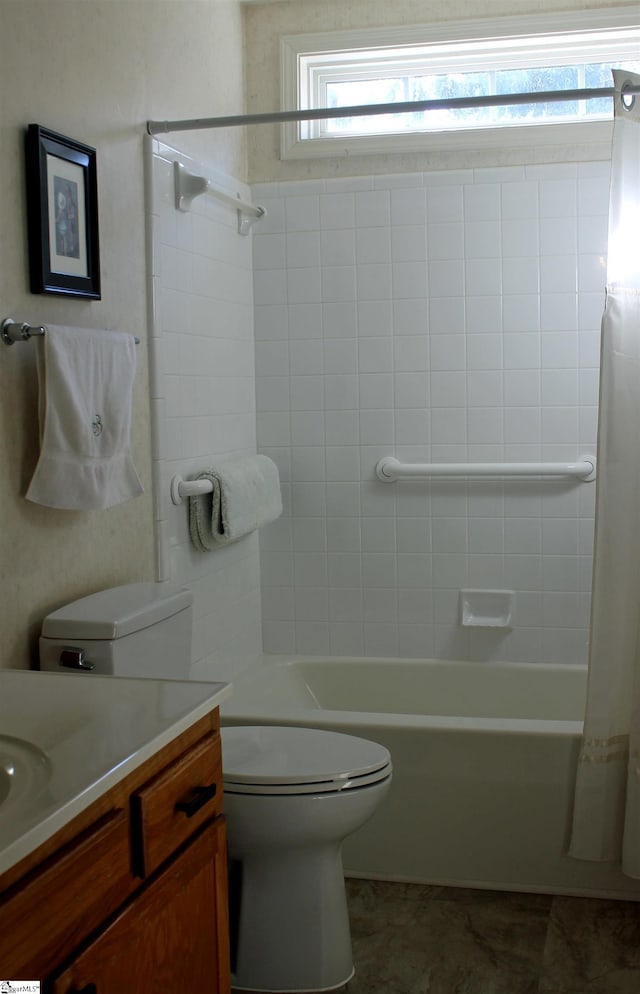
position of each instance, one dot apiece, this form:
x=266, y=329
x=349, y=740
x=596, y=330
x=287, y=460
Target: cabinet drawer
x=175, y=803
x=47, y=913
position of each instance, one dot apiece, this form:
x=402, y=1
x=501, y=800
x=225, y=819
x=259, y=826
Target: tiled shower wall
x=439, y=317
x=203, y=401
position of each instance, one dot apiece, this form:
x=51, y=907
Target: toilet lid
x=287, y=759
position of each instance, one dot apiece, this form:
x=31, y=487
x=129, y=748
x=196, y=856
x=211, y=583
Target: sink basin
x=24, y=771
x=66, y=739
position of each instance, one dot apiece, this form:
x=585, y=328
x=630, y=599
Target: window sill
x=498, y=139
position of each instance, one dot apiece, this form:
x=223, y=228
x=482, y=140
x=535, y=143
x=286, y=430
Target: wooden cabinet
x=160, y=941
x=131, y=896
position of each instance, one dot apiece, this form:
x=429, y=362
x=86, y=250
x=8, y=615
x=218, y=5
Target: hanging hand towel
x=85, y=380
x=246, y=494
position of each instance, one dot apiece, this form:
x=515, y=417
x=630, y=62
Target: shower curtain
x=606, y=817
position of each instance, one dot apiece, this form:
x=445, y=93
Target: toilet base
x=293, y=924
x=289, y=921
x=316, y=990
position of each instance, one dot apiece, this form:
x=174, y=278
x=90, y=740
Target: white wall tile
x=445, y=204
x=447, y=315
x=340, y=320
x=482, y=239
x=484, y=388
x=270, y=287
x=434, y=322
x=558, y=236
x=409, y=280
x=519, y=200
x=520, y=275
x=484, y=352
x=481, y=201
x=306, y=357
x=338, y=284
x=411, y=317
x=337, y=210
x=373, y=208
x=302, y=213
x=446, y=240
x=346, y=639
x=520, y=237
x=375, y=355
x=448, y=352
x=411, y=352
x=373, y=245
x=483, y=276
x=377, y=427
x=203, y=333
x=408, y=243
x=338, y=247
x=558, y=198
x=409, y=206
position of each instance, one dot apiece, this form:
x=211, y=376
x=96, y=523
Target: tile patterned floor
x=414, y=939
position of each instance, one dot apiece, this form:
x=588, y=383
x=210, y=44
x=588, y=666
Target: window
x=513, y=55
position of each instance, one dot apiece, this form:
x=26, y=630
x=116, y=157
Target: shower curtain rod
x=369, y=110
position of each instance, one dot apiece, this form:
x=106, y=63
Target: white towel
x=246, y=494
x=85, y=382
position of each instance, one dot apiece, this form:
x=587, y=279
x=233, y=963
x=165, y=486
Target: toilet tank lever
x=72, y=656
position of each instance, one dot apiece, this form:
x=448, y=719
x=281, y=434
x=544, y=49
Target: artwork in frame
x=62, y=214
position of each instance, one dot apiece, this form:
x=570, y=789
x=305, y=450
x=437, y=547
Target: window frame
x=615, y=36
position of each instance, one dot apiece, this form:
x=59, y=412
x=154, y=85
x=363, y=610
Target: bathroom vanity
x=112, y=837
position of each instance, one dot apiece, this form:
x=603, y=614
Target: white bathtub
x=484, y=758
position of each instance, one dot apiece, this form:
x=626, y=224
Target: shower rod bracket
x=188, y=186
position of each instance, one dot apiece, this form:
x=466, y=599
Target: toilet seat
x=286, y=759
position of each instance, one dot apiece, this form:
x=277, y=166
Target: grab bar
x=390, y=469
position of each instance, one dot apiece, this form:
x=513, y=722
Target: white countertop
x=75, y=736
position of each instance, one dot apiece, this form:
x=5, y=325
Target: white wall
x=265, y=23
x=94, y=70
x=451, y=316
x=203, y=401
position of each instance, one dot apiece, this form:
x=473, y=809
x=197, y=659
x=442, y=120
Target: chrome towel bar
x=15, y=331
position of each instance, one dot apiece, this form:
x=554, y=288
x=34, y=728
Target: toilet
x=136, y=630
x=292, y=795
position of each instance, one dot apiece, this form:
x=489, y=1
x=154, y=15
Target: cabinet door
x=48, y=912
x=173, y=936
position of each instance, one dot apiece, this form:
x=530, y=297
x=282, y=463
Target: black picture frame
x=62, y=215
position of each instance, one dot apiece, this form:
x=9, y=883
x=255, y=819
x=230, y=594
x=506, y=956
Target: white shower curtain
x=606, y=819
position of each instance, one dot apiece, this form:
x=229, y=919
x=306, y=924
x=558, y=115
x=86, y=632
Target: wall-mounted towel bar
x=188, y=186
x=15, y=331
x=390, y=469
x=188, y=488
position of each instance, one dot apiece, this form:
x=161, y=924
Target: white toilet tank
x=137, y=630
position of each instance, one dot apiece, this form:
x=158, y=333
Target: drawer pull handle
x=198, y=798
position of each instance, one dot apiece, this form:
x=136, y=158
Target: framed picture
x=62, y=215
